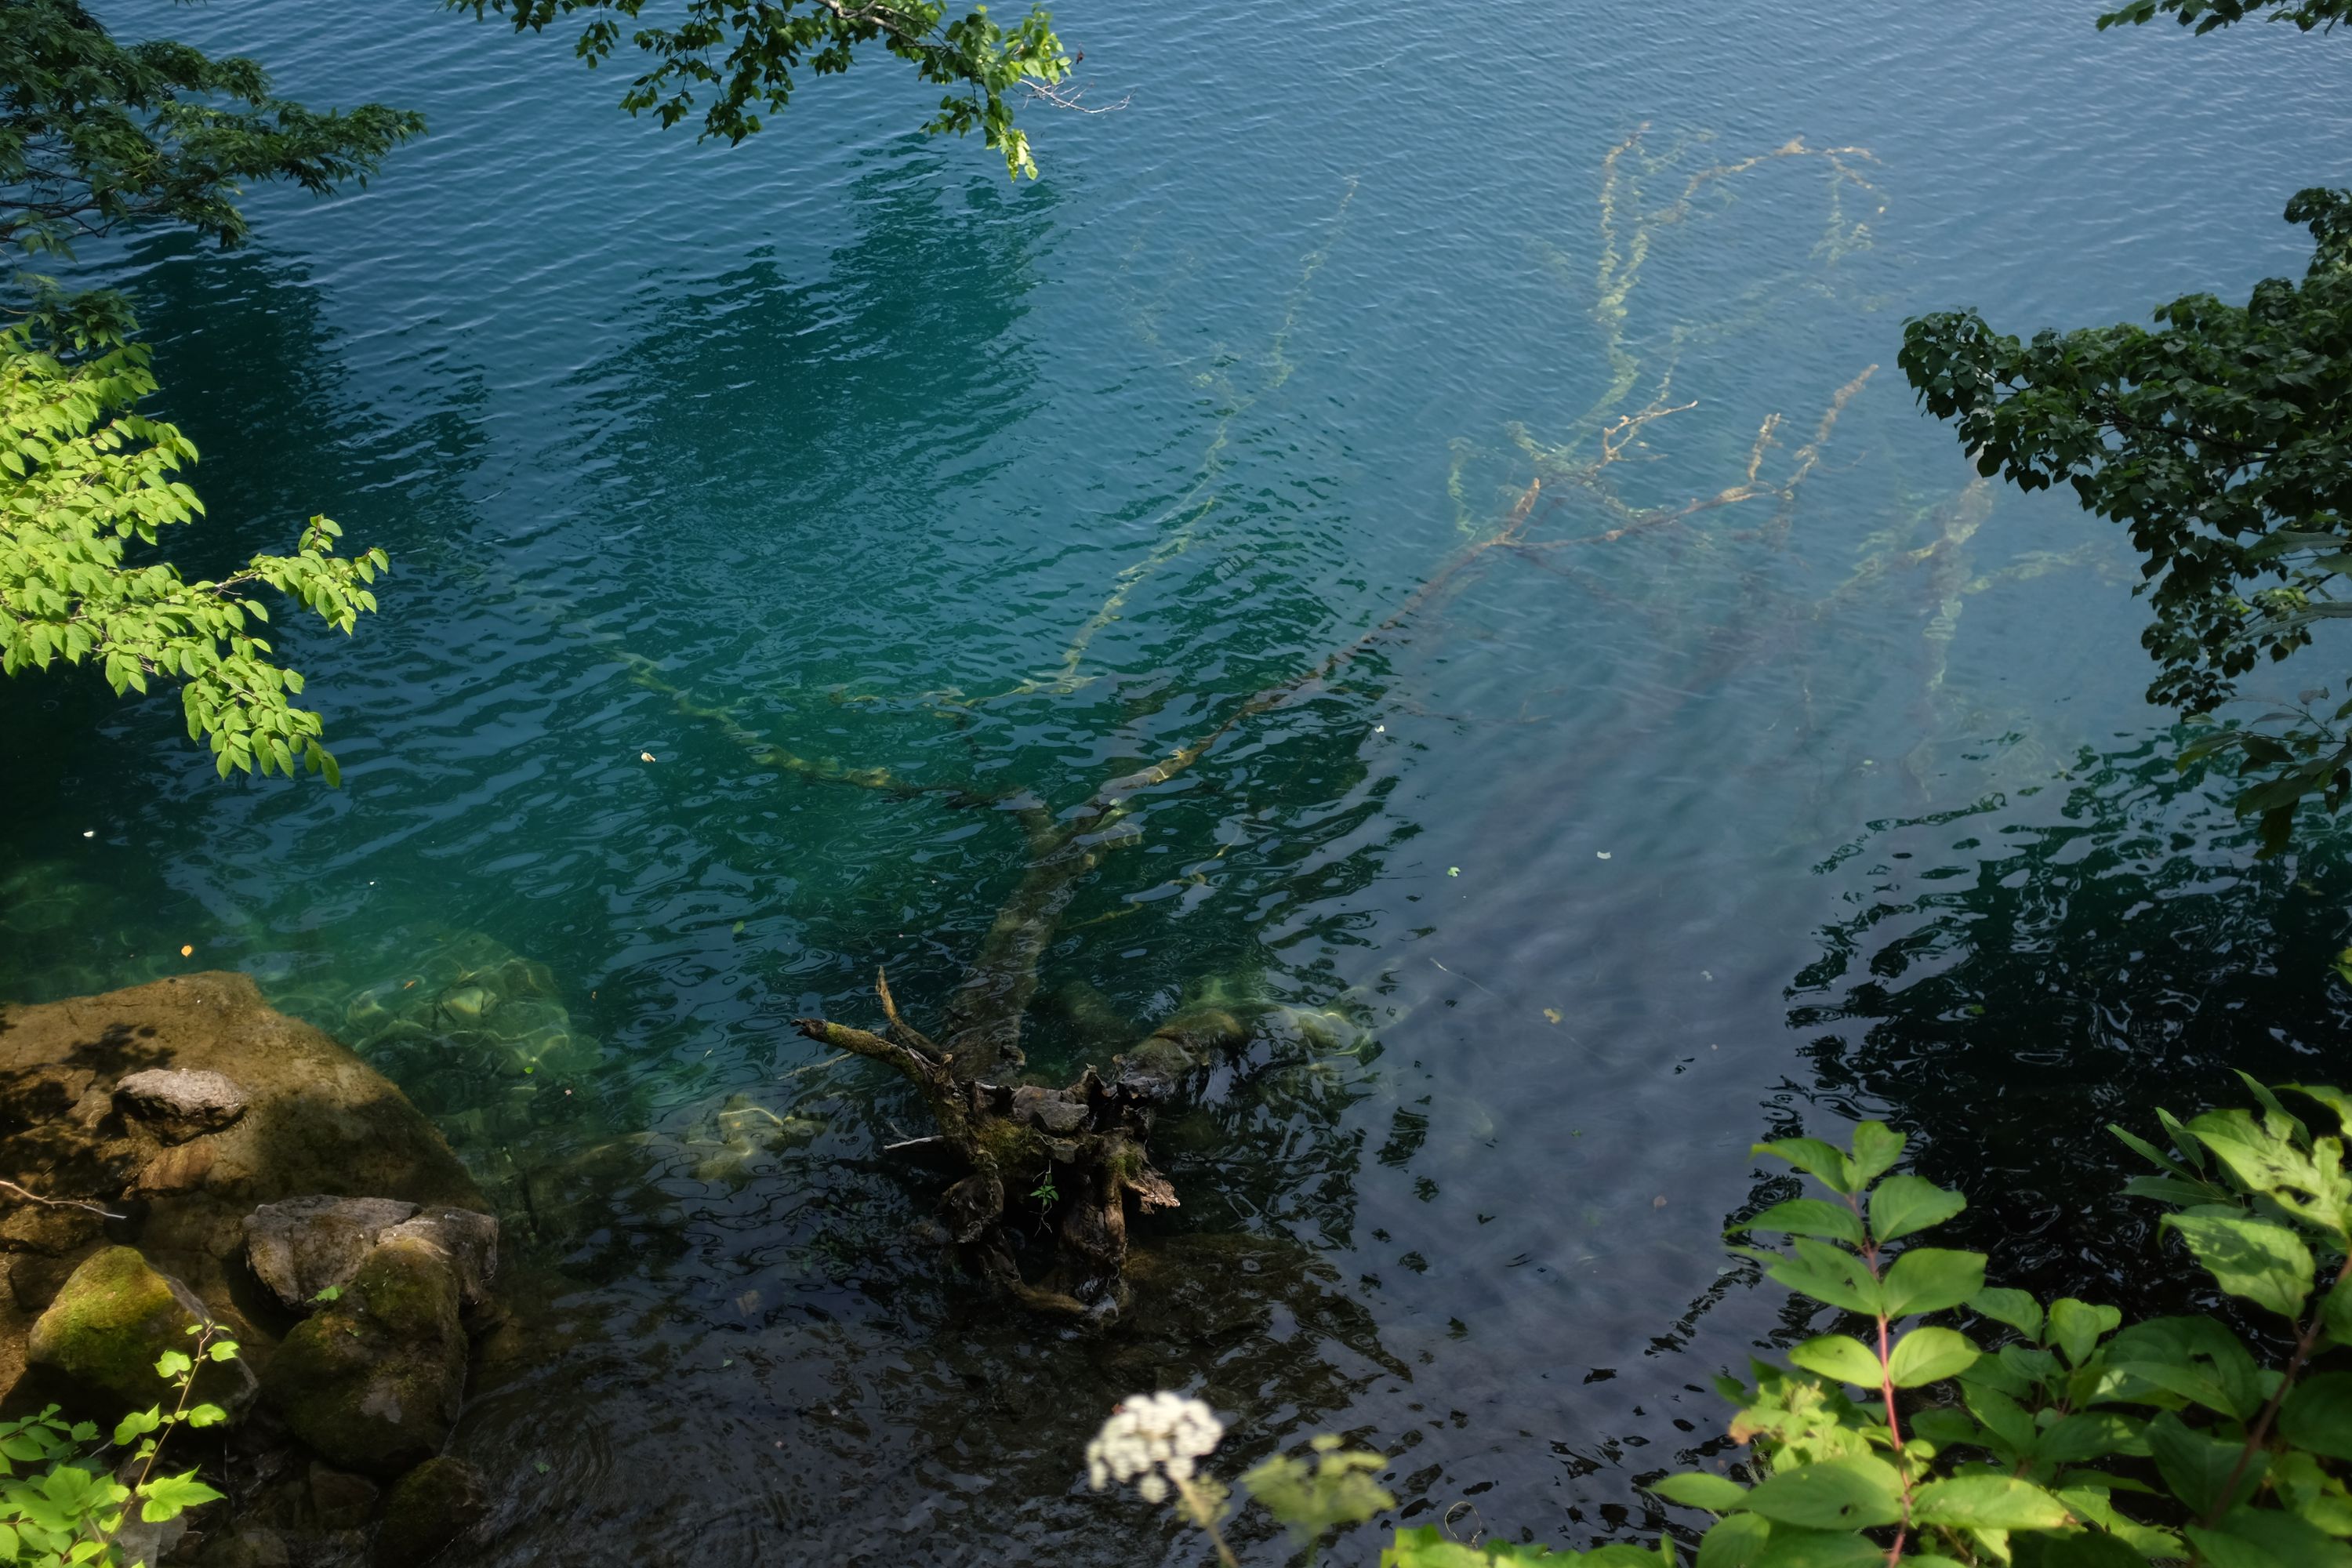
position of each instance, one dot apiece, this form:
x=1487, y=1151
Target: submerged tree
x=2219, y=439
x=1089, y=1130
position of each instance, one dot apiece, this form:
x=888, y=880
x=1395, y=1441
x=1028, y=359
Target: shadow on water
x=2017, y=974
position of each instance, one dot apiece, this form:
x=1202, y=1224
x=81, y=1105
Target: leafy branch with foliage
x=2204, y=16
x=70, y=1507
x=2074, y=1441
x=96, y=135
x=2220, y=440
x=83, y=479
x=733, y=59
x=2031, y=1435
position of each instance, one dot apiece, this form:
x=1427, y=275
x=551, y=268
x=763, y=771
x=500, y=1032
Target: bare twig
x=33, y=1197
x=1054, y=95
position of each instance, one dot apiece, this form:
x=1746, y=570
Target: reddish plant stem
x=1869, y=1251
x=2259, y=1433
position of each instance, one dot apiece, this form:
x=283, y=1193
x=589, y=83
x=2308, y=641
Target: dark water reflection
x=1834, y=800
x=2017, y=975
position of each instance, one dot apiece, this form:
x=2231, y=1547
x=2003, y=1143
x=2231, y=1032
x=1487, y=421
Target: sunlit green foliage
x=2054, y=1436
x=62, y=1499
x=84, y=480
x=2220, y=440
x=734, y=58
x=96, y=135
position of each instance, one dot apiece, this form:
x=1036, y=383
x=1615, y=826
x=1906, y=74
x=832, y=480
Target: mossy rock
x=430, y=1507
x=113, y=1317
x=372, y=1381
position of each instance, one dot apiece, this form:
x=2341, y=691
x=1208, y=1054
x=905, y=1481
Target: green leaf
x=2336, y=1311
x=1818, y=1549
x=1697, y=1488
x=2018, y=1308
x=2197, y=1467
x=136, y=1425
x=172, y=1363
x=1876, y=1147
x=1833, y=1494
x=2254, y=1259
x=1810, y=1154
x=1988, y=1503
x=168, y=1497
x=2290, y=1541
x=1735, y=1543
x=2076, y=1327
x=1810, y=1217
x=1841, y=1356
x=1823, y=1272
x=2339, y=1103
x=1902, y=1205
x=2076, y=1549
x=1931, y=1279
x=1944, y=1428
x=2318, y=1414
x=2091, y=1434
x=2003, y=1418
x=1931, y=1355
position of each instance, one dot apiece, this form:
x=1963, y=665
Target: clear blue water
x=1614, y=856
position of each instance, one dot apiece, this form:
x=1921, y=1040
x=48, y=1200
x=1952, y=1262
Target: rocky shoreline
x=178, y=1152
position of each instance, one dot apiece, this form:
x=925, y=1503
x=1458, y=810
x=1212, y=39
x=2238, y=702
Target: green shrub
x=2021, y=1433
x=62, y=1501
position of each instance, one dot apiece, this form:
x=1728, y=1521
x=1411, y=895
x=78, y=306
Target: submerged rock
x=114, y=1316
x=316, y=1120
x=430, y=1507
x=299, y=1246
x=372, y=1379
x=180, y=1103
x=247, y=1546
x=340, y=1499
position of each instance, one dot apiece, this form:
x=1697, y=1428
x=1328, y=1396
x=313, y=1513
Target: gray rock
x=143, y=1544
x=303, y=1245
x=342, y=1499
x=430, y=1507
x=469, y=1241
x=247, y=1546
x=372, y=1379
x=180, y=1103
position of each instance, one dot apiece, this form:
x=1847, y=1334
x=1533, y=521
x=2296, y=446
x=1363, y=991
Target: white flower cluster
x=1157, y=1437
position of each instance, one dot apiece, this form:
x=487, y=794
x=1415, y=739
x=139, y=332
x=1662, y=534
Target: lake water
x=1620, y=852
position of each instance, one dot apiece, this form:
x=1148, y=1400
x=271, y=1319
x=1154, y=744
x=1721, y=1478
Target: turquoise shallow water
x=1617, y=853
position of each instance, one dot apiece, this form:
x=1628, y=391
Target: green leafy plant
x=63, y=1500
x=1311, y=1500
x=83, y=479
x=2074, y=1441
x=1158, y=1441
x=2219, y=440
x=733, y=59
x=95, y=132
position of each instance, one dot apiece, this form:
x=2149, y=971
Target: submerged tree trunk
x=1086, y=1146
